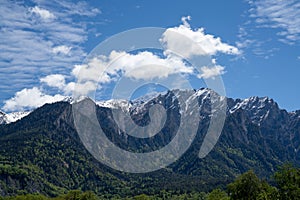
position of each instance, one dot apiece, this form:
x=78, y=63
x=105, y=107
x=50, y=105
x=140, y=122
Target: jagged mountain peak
x=258, y=109
x=2, y=117
x=6, y=118
x=254, y=103
x=147, y=97
x=115, y=104
x=68, y=99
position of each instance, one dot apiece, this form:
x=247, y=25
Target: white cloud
x=186, y=42
x=185, y=20
x=98, y=34
x=144, y=65
x=82, y=89
x=54, y=80
x=59, y=81
x=42, y=13
x=92, y=71
x=141, y=66
x=80, y=8
x=30, y=98
x=282, y=15
x=69, y=88
x=211, y=72
x=244, y=43
x=63, y=49
x=244, y=39
x=41, y=37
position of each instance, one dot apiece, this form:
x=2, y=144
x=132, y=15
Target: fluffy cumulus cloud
x=141, y=66
x=58, y=81
x=211, y=72
x=54, y=80
x=30, y=98
x=180, y=43
x=92, y=70
x=144, y=65
x=187, y=42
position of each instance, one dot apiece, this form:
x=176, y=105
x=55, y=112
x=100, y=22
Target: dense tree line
x=286, y=186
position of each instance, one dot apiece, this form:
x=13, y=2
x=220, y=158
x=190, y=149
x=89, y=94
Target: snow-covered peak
x=69, y=99
x=140, y=101
x=146, y=98
x=115, y=103
x=257, y=108
x=253, y=103
x=15, y=116
x=128, y=105
x=6, y=118
x=202, y=91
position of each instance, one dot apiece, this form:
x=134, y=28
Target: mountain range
x=41, y=150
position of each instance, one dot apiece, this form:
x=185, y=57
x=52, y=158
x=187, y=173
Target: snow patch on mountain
x=128, y=105
x=257, y=108
x=7, y=118
x=115, y=104
x=15, y=116
x=146, y=98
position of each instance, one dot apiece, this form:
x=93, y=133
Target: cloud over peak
x=29, y=99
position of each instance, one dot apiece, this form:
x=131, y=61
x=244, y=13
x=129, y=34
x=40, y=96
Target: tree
x=141, y=197
x=246, y=187
x=268, y=192
x=88, y=196
x=288, y=182
x=217, y=194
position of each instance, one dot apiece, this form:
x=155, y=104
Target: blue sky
x=43, y=43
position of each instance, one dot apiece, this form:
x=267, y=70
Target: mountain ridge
x=114, y=103
x=43, y=152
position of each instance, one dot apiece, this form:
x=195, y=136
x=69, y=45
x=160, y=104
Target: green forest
x=283, y=185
